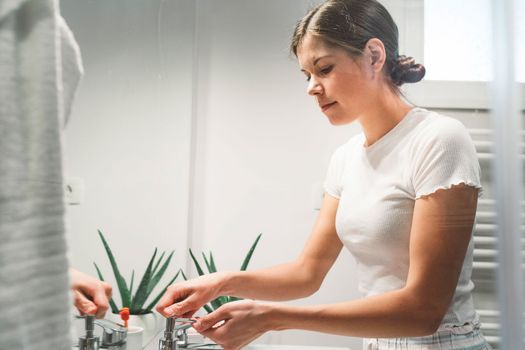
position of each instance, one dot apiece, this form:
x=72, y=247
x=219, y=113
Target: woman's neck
x=386, y=112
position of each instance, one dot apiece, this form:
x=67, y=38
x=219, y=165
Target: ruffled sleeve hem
x=430, y=191
x=332, y=192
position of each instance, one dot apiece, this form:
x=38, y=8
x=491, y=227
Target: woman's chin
x=338, y=121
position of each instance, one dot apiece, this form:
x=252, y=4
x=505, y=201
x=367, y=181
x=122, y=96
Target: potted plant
x=140, y=308
x=194, y=337
x=211, y=267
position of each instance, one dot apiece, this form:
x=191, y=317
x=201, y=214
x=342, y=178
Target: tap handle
x=175, y=335
x=89, y=341
x=168, y=342
x=170, y=324
x=90, y=326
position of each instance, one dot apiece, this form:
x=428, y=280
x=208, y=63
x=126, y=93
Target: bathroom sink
x=275, y=347
x=197, y=338
x=290, y=347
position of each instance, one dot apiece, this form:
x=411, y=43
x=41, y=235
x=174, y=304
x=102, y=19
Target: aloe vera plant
x=211, y=267
x=136, y=300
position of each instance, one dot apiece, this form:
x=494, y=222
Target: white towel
x=39, y=71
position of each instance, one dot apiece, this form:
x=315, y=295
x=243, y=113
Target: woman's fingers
x=91, y=296
x=177, y=301
x=211, y=321
x=83, y=304
x=101, y=296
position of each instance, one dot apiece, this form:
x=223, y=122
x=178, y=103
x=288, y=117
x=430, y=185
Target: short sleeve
x=333, y=180
x=445, y=156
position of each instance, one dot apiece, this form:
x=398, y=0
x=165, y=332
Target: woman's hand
x=91, y=296
x=183, y=299
x=236, y=324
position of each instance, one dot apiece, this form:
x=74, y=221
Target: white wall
x=129, y=134
x=262, y=145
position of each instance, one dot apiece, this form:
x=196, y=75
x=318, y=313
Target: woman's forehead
x=313, y=48
x=311, y=43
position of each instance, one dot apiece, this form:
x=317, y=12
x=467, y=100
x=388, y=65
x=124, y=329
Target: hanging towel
x=40, y=68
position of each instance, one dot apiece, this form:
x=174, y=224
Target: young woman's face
x=340, y=84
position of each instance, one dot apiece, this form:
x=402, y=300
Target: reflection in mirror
x=128, y=139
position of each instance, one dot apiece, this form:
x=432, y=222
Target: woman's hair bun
x=406, y=70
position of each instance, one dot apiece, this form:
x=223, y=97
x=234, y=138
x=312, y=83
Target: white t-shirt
x=377, y=187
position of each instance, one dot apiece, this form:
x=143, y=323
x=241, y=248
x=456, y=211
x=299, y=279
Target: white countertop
x=290, y=347
x=155, y=343
x=154, y=346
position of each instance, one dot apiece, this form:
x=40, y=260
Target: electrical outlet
x=74, y=190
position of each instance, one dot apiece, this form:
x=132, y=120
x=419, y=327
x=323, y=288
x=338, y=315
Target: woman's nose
x=314, y=88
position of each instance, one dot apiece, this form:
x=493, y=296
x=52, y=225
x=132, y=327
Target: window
x=456, y=49
x=454, y=40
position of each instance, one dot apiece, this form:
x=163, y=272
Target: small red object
x=124, y=315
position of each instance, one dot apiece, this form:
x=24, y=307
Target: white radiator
x=486, y=243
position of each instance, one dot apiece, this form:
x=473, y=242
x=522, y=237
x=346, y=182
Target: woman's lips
x=328, y=105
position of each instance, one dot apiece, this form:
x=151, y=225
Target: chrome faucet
x=114, y=335
x=89, y=341
x=175, y=336
x=168, y=342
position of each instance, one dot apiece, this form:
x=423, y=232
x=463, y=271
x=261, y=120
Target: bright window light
x=458, y=40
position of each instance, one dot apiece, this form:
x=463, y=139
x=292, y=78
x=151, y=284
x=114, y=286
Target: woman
x=401, y=197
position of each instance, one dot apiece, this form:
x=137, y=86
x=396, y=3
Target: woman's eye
x=326, y=70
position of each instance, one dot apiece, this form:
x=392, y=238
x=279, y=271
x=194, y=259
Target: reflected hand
x=91, y=296
x=235, y=324
x=183, y=299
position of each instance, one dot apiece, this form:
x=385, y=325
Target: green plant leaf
x=157, y=264
x=131, y=285
x=216, y=303
x=212, y=262
x=156, y=277
x=142, y=291
x=114, y=308
x=157, y=298
x=250, y=253
x=183, y=275
x=121, y=282
x=207, y=308
x=210, y=268
x=197, y=266
x=223, y=300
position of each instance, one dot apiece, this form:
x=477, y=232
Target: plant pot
x=152, y=323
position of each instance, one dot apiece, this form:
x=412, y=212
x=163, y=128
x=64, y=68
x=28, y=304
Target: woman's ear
x=375, y=50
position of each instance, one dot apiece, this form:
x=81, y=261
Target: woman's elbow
x=309, y=287
x=429, y=326
x=428, y=320
x=310, y=279
x=425, y=313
